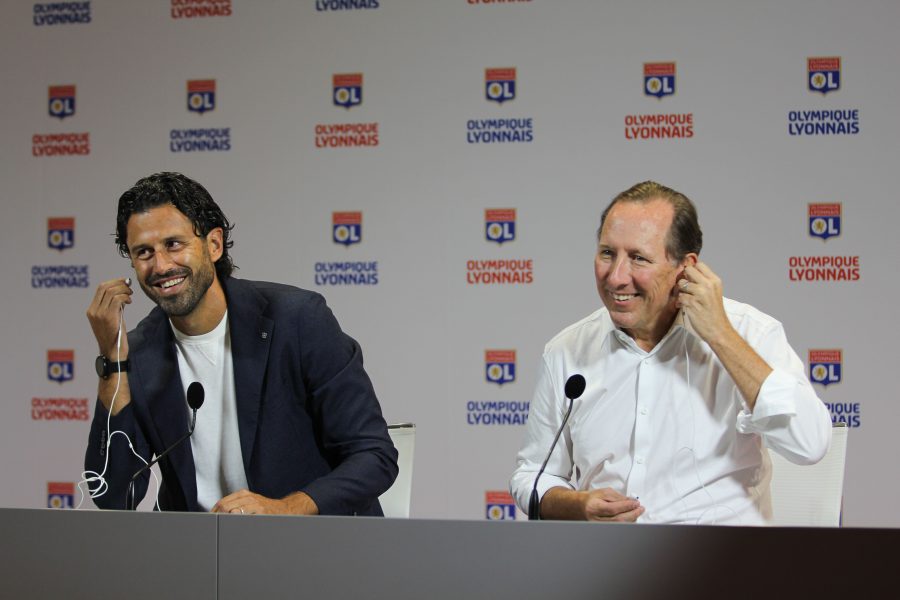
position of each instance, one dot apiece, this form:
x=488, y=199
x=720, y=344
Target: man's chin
x=173, y=307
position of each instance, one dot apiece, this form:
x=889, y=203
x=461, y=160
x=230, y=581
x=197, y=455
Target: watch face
x=102, y=366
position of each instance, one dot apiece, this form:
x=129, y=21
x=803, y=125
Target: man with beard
x=686, y=390
x=290, y=423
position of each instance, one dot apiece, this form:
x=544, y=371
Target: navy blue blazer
x=308, y=417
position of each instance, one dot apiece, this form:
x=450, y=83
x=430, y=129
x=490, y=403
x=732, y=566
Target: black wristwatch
x=105, y=367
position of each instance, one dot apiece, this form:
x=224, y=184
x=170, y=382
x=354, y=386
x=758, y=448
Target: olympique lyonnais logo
x=823, y=268
x=61, y=13
x=201, y=95
x=60, y=276
x=497, y=412
x=824, y=74
x=206, y=139
x=500, y=224
x=60, y=495
x=659, y=79
x=60, y=409
x=825, y=366
x=500, y=366
x=347, y=89
x=824, y=220
x=60, y=365
x=499, y=506
x=333, y=5
x=500, y=87
x=346, y=227
x=61, y=101
x=61, y=233
x=500, y=84
x=61, y=144
x=192, y=9
x=500, y=271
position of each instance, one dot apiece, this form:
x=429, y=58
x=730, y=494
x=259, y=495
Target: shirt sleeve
x=545, y=416
x=109, y=462
x=788, y=415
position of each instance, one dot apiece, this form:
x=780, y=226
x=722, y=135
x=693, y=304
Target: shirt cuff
x=776, y=397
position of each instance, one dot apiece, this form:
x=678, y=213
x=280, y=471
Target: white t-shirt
x=215, y=443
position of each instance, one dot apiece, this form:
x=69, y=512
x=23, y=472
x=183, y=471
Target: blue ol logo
x=346, y=227
x=61, y=103
x=825, y=366
x=825, y=220
x=61, y=233
x=60, y=495
x=201, y=95
x=824, y=74
x=500, y=224
x=659, y=79
x=347, y=89
x=500, y=366
x=60, y=365
x=500, y=84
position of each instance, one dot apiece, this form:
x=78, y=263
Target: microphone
x=195, y=397
x=574, y=389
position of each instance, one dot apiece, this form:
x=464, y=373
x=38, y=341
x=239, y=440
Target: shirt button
x=643, y=410
x=639, y=460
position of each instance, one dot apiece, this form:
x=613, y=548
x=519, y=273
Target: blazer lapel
x=158, y=381
x=250, y=332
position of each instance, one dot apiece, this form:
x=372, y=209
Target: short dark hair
x=684, y=235
x=187, y=196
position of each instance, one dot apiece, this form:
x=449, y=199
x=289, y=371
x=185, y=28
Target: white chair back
x=810, y=495
x=395, y=502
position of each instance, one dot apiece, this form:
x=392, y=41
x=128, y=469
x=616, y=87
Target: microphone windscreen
x=574, y=386
x=195, y=395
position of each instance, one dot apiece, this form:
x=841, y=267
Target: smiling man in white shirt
x=685, y=389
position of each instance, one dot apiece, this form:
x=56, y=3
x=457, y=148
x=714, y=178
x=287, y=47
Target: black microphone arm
x=195, y=396
x=574, y=389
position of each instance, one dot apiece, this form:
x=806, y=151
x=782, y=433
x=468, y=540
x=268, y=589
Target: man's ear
x=215, y=243
x=690, y=260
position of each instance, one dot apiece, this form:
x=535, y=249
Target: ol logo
x=347, y=89
x=201, y=95
x=500, y=84
x=60, y=233
x=61, y=101
x=60, y=365
x=346, y=227
x=825, y=366
x=499, y=506
x=60, y=495
x=824, y=73
x=500, y=366
x=825, y=219
x=659, y=79
x=500, y=224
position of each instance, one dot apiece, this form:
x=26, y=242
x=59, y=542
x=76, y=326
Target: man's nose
x=162, y=262
x=619, y=273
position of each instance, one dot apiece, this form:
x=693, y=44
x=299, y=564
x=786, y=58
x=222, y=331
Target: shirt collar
x=678, y=324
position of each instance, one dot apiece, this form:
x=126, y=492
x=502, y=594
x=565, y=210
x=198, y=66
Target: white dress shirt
x=669, y=427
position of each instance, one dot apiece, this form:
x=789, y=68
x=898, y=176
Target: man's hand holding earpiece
x=700, y=296
x=105, y=316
